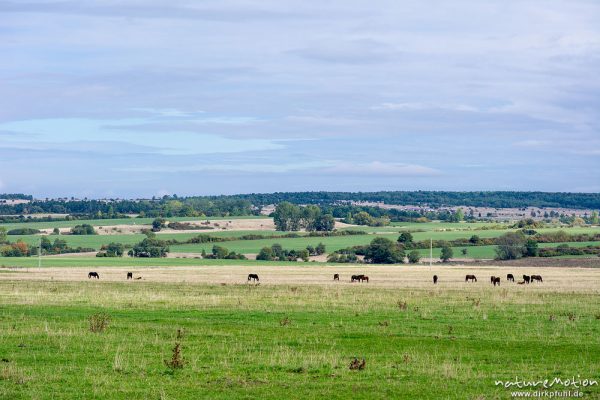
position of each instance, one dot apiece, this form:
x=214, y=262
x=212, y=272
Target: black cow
x=93, y=275
x=435, y=279
x=510, y=278
x=526, y=279
x=336, y=277
x=129, y=275
x=253, y=277
x=495, y=280
x=471, y=278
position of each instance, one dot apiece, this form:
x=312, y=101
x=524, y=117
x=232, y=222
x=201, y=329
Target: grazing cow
x=471, y=278
x=364, y=278
x=336, y=277
x=435, y=278
x=129, y=275
x=510, y=278
x=536, y=278
x=253, y=277
x=496, y=280
x=93, y=275
x=527, y=279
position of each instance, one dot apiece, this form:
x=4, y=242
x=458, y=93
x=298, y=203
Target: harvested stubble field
x=295, y=334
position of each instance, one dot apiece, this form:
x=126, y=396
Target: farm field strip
x=114, y=221
x=397, y=276
x=86, y=261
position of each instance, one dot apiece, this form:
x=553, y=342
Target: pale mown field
x=295, y=334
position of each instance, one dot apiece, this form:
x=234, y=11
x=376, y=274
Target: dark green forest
x=335, y=203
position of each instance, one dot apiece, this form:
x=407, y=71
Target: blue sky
x=141, y=98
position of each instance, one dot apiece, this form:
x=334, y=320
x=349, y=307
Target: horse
x=510, y=278
x=471, y=278
x=435, y=279
x=527, y=278
x=93, y=275
x=364, y=278
x=129, y=275
x=537, y=278
x=336, y=277
x=496, y=280
x=253, y=277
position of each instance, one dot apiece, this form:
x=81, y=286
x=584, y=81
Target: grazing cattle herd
x=495, y=280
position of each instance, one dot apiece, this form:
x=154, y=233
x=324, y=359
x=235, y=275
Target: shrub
x=84, y=229
x=383, y=251
x=23, y=231
x=446, y=253
x=511, y=246
x=176, y=361
x=99, y=322
x=414, y=257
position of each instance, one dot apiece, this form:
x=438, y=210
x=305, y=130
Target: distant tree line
x=495, y=199
x=290, y=217
x=15, y=196
x=249, y=204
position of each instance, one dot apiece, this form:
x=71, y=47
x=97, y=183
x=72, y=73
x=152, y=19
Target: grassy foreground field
x=289, y=338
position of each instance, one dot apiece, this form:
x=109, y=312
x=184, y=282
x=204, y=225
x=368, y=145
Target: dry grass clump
x=176, y=361
x=99, y=322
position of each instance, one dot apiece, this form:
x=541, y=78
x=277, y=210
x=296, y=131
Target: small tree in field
x=511, y=246
x=414, y=257
x=406, y=238
x=446, y=253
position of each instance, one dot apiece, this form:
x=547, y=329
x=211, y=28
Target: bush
x=340, y=257
x=414, y=257
x=446, y=253
x=221, y=253
x=99, y=322
x=112, y=250
x=384, y=251
x=158, y=224
x=18, y=249
x=23, y=231
x=265, y=254
x=150, y=247
x=84, y=229
x=176, y=361
x=511, y=246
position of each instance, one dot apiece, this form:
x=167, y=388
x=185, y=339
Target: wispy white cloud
x=382, y=169
x=410, y=106
x=279, y=168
